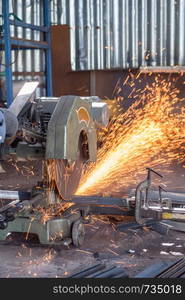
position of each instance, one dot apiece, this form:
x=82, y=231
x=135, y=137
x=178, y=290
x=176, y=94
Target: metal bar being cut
x=96, y=200
x=176, y=198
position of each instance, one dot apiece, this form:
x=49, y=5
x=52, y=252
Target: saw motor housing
x=51, y=127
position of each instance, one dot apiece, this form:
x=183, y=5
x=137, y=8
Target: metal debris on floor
x=164, y=270
x=101, y=271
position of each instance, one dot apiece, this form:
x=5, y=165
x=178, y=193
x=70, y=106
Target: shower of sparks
x=150, y=133
x=52, y=211
x=46, y=258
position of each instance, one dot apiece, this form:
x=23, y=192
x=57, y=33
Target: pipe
x=120, y=275
x=14, y=195
x=176, y=198
x=111, y=272
x=166, y=209
x=88, y=271
x=133, y=225
x=174, y=271
x=155, y=269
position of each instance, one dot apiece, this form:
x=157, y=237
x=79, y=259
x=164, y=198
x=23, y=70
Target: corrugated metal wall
x=110, y=34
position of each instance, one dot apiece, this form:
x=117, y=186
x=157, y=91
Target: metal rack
x=9, y=43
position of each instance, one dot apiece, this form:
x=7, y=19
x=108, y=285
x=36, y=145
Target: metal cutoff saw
x=62, y=132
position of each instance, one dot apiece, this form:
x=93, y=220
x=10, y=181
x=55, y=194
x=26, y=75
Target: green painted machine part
x=61, y=130
x=56, y=231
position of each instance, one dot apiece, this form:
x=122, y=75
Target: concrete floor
x=133, y=249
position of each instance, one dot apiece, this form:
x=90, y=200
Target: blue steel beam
x=47, y=23
x=26, y=44
x=30, y=26
x=7, y=47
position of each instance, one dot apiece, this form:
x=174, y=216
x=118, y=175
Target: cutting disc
x=68, y=173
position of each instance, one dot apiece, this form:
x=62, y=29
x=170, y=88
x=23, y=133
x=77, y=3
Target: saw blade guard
x=71, y=140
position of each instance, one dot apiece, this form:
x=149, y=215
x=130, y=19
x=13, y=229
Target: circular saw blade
x=67, y=177
x=68, y=173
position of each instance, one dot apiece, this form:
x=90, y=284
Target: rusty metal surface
x=66, y=82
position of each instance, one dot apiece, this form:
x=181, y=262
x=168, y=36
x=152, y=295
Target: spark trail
x=150, y=133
